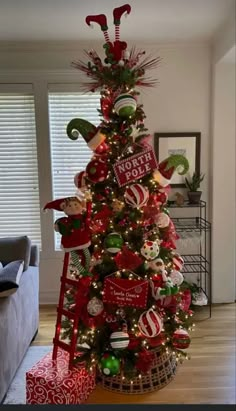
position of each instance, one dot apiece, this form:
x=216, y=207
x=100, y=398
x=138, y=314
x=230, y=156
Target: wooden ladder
x=61, y=311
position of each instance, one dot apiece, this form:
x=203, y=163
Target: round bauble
x=95, y=306
x=157, y=341
x=150, y=323
x=150, y=250
x=176, y=277
x=109, y=364
x=178, y=261
x=157, y=265
x=119, y=340
x=97, y=170
x=136, y=195
x=125, y=105
x=113, y=242
x=181, y=339
x=163, y=220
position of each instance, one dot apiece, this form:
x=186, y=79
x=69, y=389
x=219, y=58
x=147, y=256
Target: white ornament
x=163, y=220
x=119, y=340
x=150, y=250
x=95, y=306
x=157, y=265
x=136, y=195
x=176, y=277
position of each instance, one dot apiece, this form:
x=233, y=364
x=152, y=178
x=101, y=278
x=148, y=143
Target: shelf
x=186, y=224
x=195, y=263
x=186, y=204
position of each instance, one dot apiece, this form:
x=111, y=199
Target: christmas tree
x=117, y=227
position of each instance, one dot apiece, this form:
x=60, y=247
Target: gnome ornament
x=163, y=174
x=74, y=229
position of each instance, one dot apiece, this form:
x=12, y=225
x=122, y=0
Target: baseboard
x=48, y=297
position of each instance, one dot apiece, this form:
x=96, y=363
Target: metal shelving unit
x=198, y=263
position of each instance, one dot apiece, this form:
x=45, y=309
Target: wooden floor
x=209, y=376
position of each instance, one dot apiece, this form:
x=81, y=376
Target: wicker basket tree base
x=161, y=373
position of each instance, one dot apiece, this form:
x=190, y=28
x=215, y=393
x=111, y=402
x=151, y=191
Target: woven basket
x=161, y=373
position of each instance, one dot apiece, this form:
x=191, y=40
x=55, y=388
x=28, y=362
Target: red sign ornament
x=125, y=292
x=135, y=167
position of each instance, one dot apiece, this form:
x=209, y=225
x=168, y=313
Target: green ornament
x=113, y=243
x=125, y=105
x=109, y=364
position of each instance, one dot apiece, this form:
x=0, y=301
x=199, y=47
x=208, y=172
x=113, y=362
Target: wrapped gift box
x=52, y=382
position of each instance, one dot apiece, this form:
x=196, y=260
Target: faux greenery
x=193, y=184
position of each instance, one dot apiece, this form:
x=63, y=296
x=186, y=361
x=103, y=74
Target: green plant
x=194, y=183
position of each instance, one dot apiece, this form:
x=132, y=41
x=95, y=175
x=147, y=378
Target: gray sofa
x=19, y=312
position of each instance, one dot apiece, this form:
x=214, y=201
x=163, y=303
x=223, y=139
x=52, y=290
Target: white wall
x=223, y=245
x=181, y=102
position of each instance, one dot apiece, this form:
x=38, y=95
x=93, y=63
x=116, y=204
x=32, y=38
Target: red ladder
x=61, y=311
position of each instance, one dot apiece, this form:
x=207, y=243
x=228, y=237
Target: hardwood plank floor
x=209, y=376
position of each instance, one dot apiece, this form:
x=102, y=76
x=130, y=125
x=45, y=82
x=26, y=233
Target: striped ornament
x=119, y=340
x=181, y=339
x=150, y=324
x=136, y=195
x=125, y=105
x=177, y=261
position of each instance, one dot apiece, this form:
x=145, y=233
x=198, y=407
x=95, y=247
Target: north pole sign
x=135, y=167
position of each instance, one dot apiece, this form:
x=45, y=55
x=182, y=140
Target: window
x=69, y=157
x=19, y=193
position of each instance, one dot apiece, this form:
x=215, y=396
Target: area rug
x=17, y=391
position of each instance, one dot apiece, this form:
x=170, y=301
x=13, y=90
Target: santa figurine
x=74, y=229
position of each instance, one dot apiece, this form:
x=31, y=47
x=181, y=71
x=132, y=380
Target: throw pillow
x=10, y=276
x=15, y=248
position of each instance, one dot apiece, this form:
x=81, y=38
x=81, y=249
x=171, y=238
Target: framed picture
x=187, y=144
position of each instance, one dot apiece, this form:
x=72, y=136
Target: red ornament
x=185, y=300
x=177, y=261
x=127, y=259
x=150, y=323
x=157, y=341
x=97, y=170
x=181, y=339
x=136, y=195
x=102, y=148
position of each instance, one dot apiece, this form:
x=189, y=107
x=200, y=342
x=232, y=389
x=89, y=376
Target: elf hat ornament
x=167, y=167
x=58, y=204
x=91, y=134
x=79, y=180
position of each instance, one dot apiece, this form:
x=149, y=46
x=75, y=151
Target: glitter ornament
x=176, y=277
x=150, y=250
x=109, y=364
x=113, y=243
x=150, y=323
x=125, y=105
x=181, y=339
x=136, y=195
x=95, y=306
x=119, y=340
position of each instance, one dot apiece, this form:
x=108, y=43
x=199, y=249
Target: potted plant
x=193, y=185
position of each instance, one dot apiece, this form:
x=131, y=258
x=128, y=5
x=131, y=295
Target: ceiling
x=149, y=21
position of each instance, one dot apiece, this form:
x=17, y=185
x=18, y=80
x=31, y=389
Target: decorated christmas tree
x=132, y=307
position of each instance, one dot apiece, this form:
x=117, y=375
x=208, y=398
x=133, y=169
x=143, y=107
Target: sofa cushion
x=15, y=248
x=10, y=276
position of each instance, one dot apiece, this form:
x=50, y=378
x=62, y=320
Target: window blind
x=69, y=157
x=19, y=192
